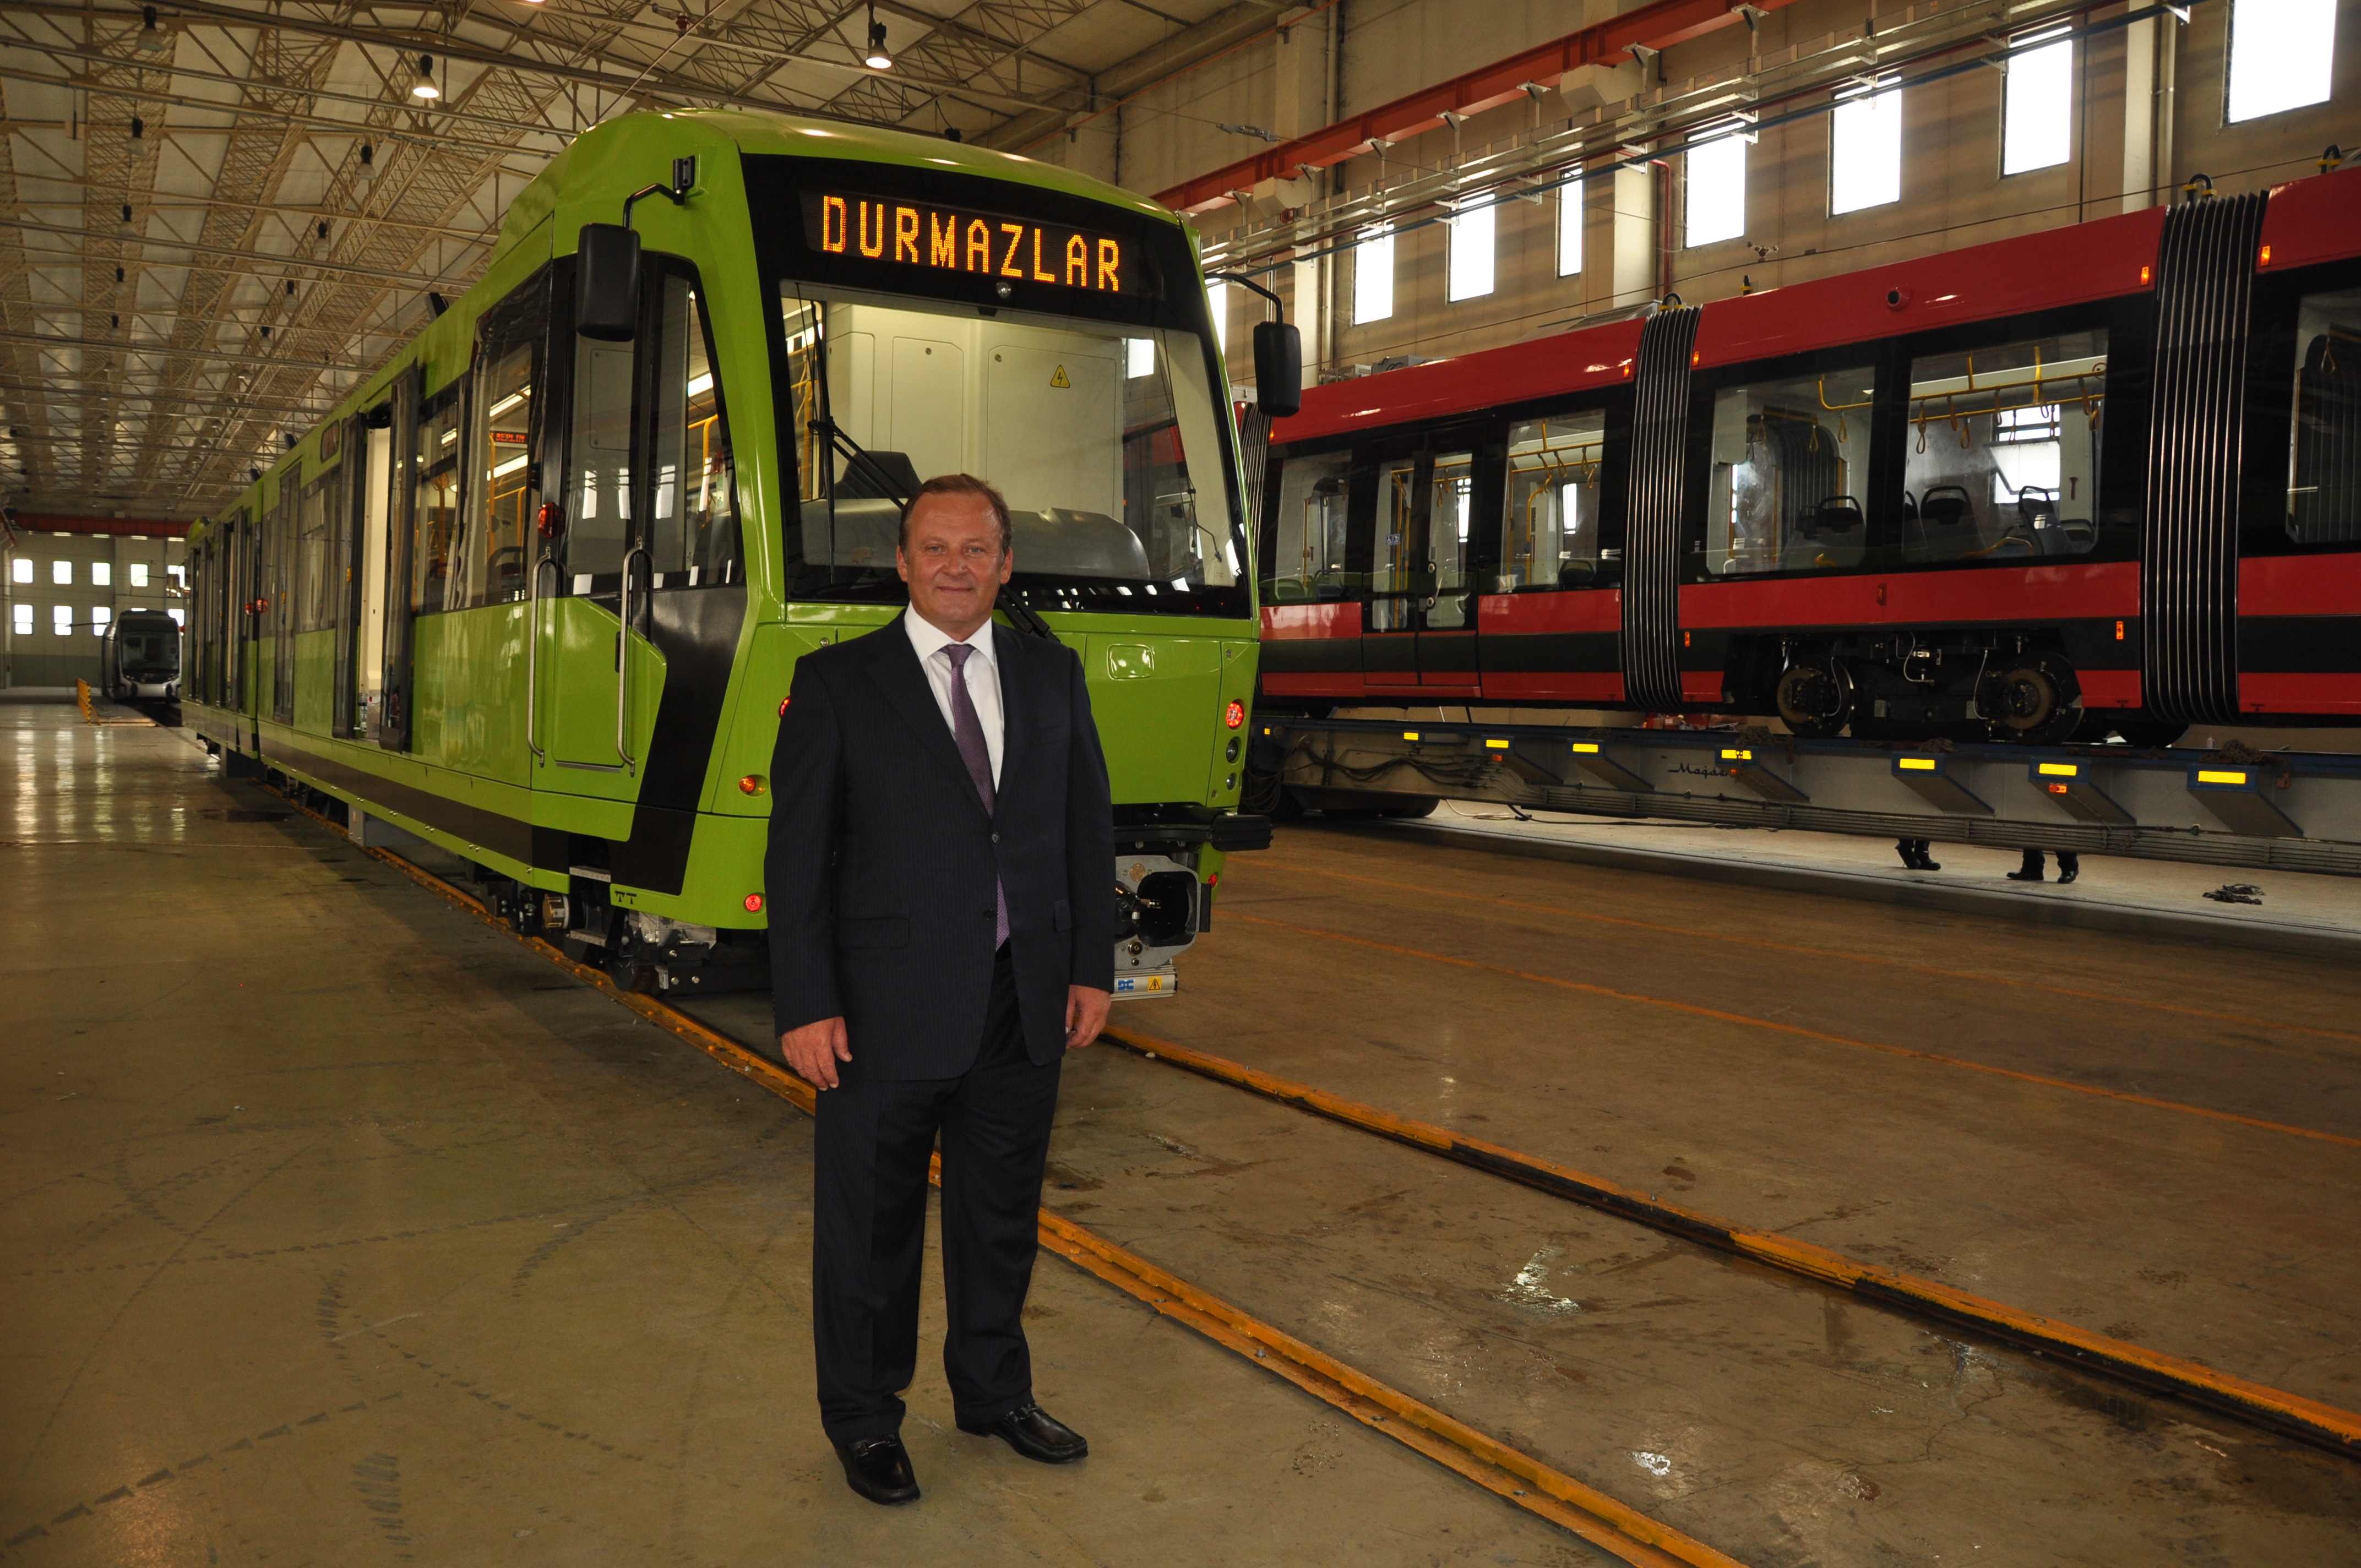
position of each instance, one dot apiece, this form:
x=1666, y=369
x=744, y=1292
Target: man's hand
x=815, y=1049
x=1086, y=1010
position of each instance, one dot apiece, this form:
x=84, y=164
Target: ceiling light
x=877, y=58
x=152, y=36
x=369, y=164
x=424, y=86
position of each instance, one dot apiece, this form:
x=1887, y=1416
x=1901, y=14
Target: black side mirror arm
x=1278, y=351
x=684, y=180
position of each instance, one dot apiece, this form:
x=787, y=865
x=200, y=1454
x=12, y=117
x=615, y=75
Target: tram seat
x=1944, y=528
x=866, y=533
x=1577, y=573
x=1835, y=515
x=1327, y=590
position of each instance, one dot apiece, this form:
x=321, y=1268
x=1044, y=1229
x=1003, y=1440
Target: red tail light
x=754, y=904
x=1235, y=714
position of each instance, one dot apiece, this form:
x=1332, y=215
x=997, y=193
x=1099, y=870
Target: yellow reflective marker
x=1410, y=734
x=1496, y=745
x=1729, y=755
x=1915, y=764
x=2216, y=775
x=1587, y=747
x=2059, y=769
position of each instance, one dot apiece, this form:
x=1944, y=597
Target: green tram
x=534, y=593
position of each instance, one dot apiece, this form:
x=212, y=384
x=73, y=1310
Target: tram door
x=1421, y=631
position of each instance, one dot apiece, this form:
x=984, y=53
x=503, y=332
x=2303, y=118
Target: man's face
x=953, y=562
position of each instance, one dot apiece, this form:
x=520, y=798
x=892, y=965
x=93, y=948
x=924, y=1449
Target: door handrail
x=532, y=660
x=624, y=655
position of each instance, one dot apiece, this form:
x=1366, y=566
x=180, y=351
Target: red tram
x=2101, y=478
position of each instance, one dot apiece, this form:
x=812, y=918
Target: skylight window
x=1373, y=277
x=1569, y=228
x=1716, y=208
x=1865, y=144
x=1473, y=233
x=2037, y=125
x=2280, y=55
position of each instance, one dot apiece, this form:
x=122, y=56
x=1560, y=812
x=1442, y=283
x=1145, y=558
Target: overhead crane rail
x=2234, y=806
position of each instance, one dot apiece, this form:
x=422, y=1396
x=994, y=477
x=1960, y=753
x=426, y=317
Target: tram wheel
x=2038, y=701
x=1815, y=698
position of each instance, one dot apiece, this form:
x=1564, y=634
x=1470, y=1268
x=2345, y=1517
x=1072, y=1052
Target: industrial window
x=99, y=616
x=179, y=617
x=24, y=621
x=2281, y=52
x=178, y=574
x=139, y=574
x=1307, y=557
x=1138, y=357
x=60, y=621
x=1790, y=461
x=2002, y=454
x=1548, y=529
x=2037, y=116
x=1865, y=144
x=2325, y=455
x=1217, y=301
x=1373, y=277
x=21, y=569
x=1715, y=204
x=62, y=573
x=102, y=574
x=1473, y=236
x=1569, y=225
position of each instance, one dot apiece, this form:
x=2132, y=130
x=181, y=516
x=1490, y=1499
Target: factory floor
x=342, y=1229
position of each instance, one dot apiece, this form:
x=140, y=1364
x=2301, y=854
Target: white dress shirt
x=982, y=678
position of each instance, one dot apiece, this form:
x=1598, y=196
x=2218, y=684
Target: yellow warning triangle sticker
x=1059, y=378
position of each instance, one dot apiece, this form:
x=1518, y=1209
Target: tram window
x=693, y=516
x=1307, y=558
x=1422, y=542
x=500, y=501
x=2324, y=447
x=312, y=606
x=1790, y=464
x=1549, y=525
x=436, y=518
x=602, y=448
x=1113, y=480
x=2002, y=454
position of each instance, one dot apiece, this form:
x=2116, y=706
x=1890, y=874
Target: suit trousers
x=868, y=1228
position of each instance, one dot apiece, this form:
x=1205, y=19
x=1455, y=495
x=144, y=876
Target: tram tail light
x=783, y=705
x=751, y=785
x=2059, y=789
x=754, y=904
x=1235, y=714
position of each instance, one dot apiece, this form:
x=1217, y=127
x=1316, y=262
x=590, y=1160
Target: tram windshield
x=1105, y=437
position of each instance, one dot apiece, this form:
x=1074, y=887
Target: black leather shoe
x=879, y=1469
x=2067, y=873
x=1927, y=862
x=1036, y=1434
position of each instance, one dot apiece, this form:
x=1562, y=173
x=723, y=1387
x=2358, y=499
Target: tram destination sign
x=892, y=232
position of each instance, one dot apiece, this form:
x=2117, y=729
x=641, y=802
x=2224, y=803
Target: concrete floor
x=433, y=1255
x=342, y=1229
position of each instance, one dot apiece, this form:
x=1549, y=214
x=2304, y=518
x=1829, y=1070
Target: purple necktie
x=967, y=730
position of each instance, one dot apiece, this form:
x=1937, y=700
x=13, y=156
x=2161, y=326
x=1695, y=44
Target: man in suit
x=941, y=884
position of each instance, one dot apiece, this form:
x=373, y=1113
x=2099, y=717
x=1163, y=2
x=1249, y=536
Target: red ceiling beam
x=53, y=522
x=1657, y=26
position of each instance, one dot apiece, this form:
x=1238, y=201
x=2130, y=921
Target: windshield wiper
x=888, y=488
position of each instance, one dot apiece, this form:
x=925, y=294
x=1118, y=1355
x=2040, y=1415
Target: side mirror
x=606, y=283
x=1279, y=368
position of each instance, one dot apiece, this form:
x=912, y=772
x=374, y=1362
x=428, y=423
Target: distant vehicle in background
x=141, y=656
